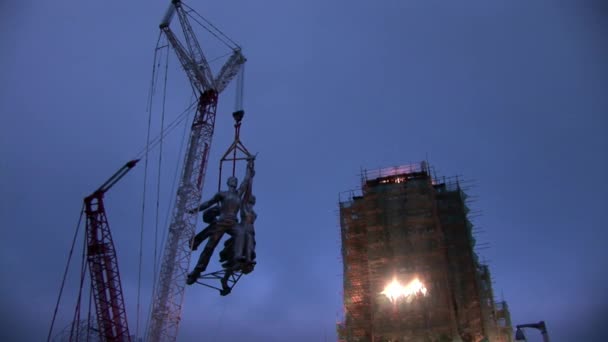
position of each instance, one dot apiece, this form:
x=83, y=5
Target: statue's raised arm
x=246, y=184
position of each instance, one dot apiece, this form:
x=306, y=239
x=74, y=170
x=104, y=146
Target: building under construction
x=410, y=269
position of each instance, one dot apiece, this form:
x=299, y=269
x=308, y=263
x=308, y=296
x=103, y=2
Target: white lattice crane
x=169, y=294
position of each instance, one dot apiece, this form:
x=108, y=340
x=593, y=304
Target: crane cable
x=160, y=161
x=240, y=81
x=143, y=202
x=151, y=144
x=167, y=216
x=65, y=273
x=210, y=31
x=190, y=9
x=170, y=127
x=83, y=270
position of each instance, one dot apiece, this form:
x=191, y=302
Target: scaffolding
x=404, y=223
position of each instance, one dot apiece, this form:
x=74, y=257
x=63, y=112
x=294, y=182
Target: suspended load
x=228, y=212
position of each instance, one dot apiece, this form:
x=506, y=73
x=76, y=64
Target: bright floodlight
x=394, y=290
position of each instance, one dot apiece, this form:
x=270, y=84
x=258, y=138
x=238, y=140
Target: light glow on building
x=395, y=291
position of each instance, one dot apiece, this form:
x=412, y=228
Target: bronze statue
x=229, y=204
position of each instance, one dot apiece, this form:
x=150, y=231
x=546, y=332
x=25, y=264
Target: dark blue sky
x=509, y=94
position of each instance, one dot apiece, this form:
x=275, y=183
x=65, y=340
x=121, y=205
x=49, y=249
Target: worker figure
x=239, y=250
x=229, y=205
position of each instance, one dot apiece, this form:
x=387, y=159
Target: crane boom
x=197, y=79
x=196, y=53
x=168, y=298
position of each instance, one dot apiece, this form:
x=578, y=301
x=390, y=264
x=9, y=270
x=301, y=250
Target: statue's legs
x=202, y=236
x=232, y=256
x=203, y=259
x=225, y=288
x=239, y=235
x=227, y=254
x=214, y=236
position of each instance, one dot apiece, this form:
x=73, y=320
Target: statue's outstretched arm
x=215, y=199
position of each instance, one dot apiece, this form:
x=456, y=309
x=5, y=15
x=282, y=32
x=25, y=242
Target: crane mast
x=103, y=265
x=167, y=302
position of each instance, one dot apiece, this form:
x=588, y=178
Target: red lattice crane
x=103, y=264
